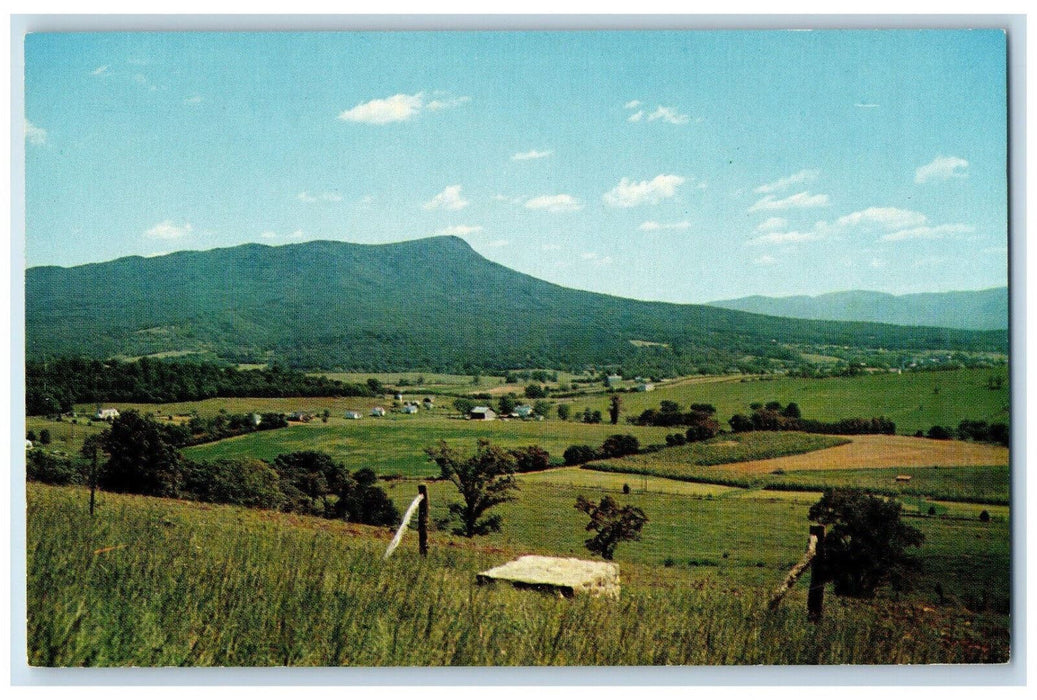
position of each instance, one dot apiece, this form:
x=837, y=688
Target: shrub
x=309, y=479
x=866, y=544
x=531, y=459
x=50, y=469
x=984, y=516
x=244, y=482
x=612, y=523
x=938, y=432
x=579, y=454
x=45, y=437
x=619, y=446
x=361, y=501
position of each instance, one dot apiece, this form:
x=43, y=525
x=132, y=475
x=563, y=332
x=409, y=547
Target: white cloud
x=668, y=115
x=786, y=237
x=801, y=200
x=942, y=168
x=865, y=105
x=632, y=104
x=884, y=217
x=306, y=197
x=531, y=155
x=636, y=116
x=631, y=194
x=554, y=203
x=775, y=223
x=100, y=70
x=765, y=260
x=399, y=108
x=458, y=230
x=447, y=103
x=168, y=231
x=35, y=135
x=795, y=179
x=928, y=232
x=670, y=226
x=450, y=199
x=193, y=100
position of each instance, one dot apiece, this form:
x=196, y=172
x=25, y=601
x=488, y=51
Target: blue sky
x=677, y=166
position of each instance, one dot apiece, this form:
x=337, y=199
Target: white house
x=352, y=415
x=106, y=414
x=482, y=413
x=410, y=408
x=523, y=411
x=378, y=411
x=646, y=386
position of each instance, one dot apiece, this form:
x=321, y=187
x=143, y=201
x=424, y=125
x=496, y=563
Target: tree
x=579, y=454
x=531, y=459
x=612, y=523
x=866, y=544
x=45, y=437
x=614, y=404
x=564, y=411
x=309, y=479
x=792, y=411
x=464, y=406
x=484, y=480
x=376, y=387
x=30, y=436
x=541, y=408
x=506, y=405
x=360, y=500
x=535, y=391
x=620, y=446
x=141, y=458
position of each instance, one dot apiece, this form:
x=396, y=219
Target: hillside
x=985, y=309
x=433, y=304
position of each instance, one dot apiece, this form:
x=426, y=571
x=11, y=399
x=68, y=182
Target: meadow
x=152, y=582
x=395, y=444
x=913, y=400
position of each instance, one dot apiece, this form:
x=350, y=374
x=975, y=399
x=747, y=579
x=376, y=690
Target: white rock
x=566, y=576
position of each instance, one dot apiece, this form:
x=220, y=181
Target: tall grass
x=154, y=583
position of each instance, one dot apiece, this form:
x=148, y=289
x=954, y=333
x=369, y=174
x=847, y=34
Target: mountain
x=432, y=304
x=985, y=309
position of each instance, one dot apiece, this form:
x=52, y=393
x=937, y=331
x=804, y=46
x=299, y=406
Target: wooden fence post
x=816, y=594
x=423, y=520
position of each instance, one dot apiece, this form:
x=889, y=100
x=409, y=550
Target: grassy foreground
x=151, y=582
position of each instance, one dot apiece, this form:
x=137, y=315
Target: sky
x=675, y=166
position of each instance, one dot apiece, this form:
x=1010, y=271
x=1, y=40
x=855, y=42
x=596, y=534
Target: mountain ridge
x=426, y=303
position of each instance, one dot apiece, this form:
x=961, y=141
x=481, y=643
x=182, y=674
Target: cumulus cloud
x=168, y=231
x=801, y=177
x=774, y=223
x=636, y=116
x=554, y=203
x=669, y=115
x=35, y=135
x=458, y=230
x=398, y=108
x=631, y=194
x=531, y=155
x=884, y=217
x=450, y=199
x=942, y=168
x=670, y=226
x=786, y=237
x=800, y=200
x=928, y=232
x=632, y=104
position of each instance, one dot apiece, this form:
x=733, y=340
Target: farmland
x=211, y=586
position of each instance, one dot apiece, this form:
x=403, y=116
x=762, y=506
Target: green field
x=151, y=582
x=913, y=400
x=395, y=444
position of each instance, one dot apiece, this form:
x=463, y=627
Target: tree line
x=56, y=385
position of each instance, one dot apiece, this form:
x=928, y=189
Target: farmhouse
x=377, y=411
x=352, y=415
x=646, y=386
x=410, y=408
x=256, y=419
x=106, y=414
x=522, y=411
x=482, y=413
x=613, y=380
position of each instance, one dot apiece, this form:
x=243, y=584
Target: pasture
x=153, y=582
x=913, y=400
x=395, y=444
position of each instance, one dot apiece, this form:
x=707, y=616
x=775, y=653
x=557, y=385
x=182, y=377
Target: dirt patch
x=882, y=452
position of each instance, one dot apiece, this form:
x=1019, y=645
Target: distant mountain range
x=432, y=304
x=985, y=309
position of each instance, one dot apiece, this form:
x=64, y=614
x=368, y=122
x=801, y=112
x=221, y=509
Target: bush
x=531, y=459
x=619, y=446
x=244, y=482
x=50, y=469
x=44, y=437
x=984, y=516
x=361, y=501
x=866, y=544
x=938, y=432
x=579, y=454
